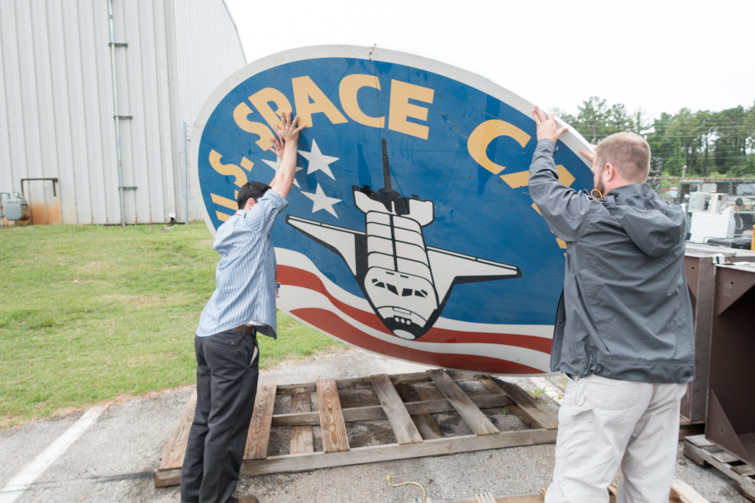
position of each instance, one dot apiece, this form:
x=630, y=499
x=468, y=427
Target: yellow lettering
x=227, y=169
x=261, y=101
x=561, y=243
x=225, y=202
x=304, y=91
x=400, y=108
x=516, y=180
x=241, y=117
x=347, y=91
x=564, y=176
x=484, y=134
x=522, y=178
x=246, y=164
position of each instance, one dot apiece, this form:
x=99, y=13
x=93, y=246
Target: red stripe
x=288, y=275
x=298, y=277
x=332, y=324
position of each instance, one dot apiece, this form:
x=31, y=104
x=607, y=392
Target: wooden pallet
x=703, y=452
x=680, y=493
x=411, y=420
x=688, y=428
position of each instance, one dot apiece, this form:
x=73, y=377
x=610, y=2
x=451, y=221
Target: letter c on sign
x=347, y=91
x=485, y=133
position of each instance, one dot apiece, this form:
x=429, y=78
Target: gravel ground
x=113, y=460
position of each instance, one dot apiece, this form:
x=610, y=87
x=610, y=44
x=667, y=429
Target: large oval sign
x=410, y=231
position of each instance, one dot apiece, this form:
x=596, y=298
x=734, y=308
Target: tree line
x=709, y=144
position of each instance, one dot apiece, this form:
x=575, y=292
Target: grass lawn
x=93, y=313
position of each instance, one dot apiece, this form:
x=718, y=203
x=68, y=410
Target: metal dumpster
x=730, y=420
x=700, y=267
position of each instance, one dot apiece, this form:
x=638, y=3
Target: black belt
x=245, y=329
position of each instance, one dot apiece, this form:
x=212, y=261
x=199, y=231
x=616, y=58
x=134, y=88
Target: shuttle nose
x=404, y=334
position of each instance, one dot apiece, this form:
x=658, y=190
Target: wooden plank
x=527, y=409
x=301, y=436
x=682, y=491
x=420, y=377
x=398, y=417
x=473, y=416
x=366, y=382
x=744, y=470
x=173, y=454
x=332, y=425
x=524, y=498
x=259, y=428
x=424, y=422
x=484, y=498
x=167, y=478
x=699, y=441
x=377, y=453
x=725, y=457
x=702, y=455
x=374, y=412
x=687, y=429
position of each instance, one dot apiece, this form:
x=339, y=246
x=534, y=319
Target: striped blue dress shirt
x=245, y=276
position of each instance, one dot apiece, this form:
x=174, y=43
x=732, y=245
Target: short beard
x=600, y=186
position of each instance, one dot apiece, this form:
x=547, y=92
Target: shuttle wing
x=337, y=239
x=450, y=268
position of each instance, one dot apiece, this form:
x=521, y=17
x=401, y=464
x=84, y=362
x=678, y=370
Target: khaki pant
x=605, y=424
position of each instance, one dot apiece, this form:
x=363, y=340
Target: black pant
x=226, y=388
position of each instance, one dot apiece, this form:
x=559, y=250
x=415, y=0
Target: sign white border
x=572, y=139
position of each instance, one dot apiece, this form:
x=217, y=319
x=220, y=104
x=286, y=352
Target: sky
x=657, y=56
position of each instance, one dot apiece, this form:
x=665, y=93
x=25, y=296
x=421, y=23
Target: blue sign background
x=476, y=212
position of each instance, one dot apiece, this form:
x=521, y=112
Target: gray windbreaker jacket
x=625, y=311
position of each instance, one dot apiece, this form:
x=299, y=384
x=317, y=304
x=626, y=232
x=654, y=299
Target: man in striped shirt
x=226, y=340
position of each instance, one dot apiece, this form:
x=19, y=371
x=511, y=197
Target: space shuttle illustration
x=406, y=282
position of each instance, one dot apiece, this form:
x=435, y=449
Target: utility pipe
x=117, y=116
x=2, y=216
x=44, y=200
x=53, y=180
x=186, y=170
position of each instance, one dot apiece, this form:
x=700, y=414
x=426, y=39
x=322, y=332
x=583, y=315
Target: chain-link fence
x=696, y=193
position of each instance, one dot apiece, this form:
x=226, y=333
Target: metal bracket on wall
x=118, y=44
x=53, y=180
x=128, y=188
x=124, y=117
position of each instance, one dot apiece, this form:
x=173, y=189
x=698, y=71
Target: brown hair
x=250, y=190
x=628, y=152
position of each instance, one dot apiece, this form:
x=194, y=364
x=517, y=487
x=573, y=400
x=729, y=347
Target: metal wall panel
x=205, y=57
x=57, y=107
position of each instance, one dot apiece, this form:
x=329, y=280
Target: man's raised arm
x=285, y=146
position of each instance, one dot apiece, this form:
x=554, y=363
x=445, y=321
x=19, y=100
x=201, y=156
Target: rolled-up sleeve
x=263, y=214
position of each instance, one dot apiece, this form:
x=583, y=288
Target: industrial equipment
x=15, y=208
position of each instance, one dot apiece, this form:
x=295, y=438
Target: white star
x=321, y=201
x=277, y=164
x=318, y=161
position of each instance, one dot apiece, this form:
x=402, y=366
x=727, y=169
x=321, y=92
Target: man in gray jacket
x=624, y=332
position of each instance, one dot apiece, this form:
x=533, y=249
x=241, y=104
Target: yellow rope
x=404, y=483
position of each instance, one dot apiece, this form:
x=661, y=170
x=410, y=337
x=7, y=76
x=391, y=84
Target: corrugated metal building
x=58, y=102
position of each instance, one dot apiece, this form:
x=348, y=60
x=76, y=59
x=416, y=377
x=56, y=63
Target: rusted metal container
x=730, y=420
x=700, y=267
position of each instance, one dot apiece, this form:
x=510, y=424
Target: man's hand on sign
x=288, y=132
x=546, y=126
x=590, y=156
